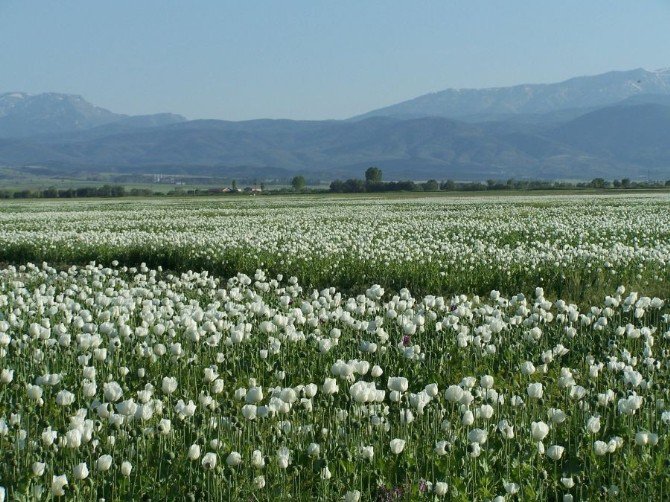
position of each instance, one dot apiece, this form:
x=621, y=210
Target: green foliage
x=373, y=175
x=137, y=326
x=298, y=183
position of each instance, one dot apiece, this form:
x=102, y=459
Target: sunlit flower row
x=571, y=245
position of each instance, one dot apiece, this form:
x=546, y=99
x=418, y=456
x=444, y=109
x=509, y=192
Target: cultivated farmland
x=336, y=348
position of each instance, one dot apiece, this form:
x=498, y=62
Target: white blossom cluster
x=473, y=244
x=124, y=383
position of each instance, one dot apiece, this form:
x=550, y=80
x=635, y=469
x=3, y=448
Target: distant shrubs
x=71, y=193
x=360, y=186
x=373, y=183
x=298, y=183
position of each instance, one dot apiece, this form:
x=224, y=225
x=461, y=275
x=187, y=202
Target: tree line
x=72, y=193
x=373, y=183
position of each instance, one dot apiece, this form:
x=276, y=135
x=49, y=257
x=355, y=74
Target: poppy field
x=307, y=348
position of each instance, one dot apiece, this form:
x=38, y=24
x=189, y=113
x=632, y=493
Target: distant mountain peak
x=577, y=92
x=24, y=115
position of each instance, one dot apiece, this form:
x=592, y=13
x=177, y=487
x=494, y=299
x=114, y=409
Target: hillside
x=502, y=102
x=551, y=131
x=26, y=115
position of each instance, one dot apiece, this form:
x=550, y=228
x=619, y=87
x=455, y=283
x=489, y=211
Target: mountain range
x=612, y=125
x=501, y=103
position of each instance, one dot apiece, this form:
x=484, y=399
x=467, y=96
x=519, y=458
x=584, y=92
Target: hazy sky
x=313, y=59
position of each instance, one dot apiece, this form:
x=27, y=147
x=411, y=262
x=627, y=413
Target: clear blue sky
x=313, y=59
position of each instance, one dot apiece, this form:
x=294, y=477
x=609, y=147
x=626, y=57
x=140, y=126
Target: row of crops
x=573, y=246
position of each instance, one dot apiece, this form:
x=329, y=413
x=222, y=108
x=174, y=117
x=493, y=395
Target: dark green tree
x=298, y=183
x=448, y=185
x=50, y=193
x=373, y=175
x=354, y=186
x=337, y=186
x=598, y=183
